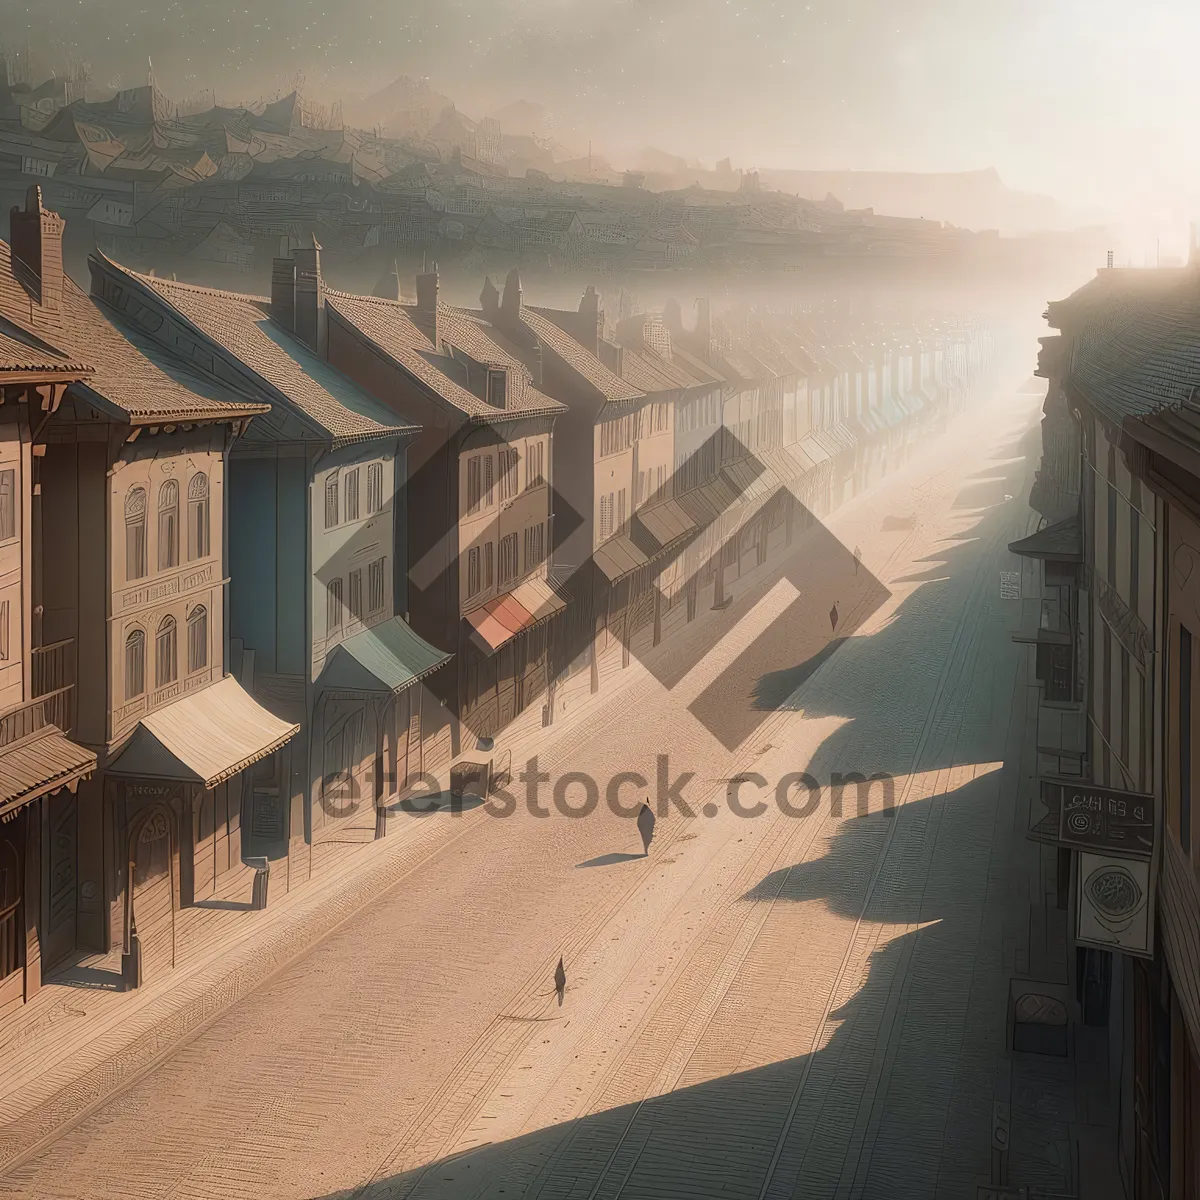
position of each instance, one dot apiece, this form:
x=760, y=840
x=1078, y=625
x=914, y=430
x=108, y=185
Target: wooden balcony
x=52, y=683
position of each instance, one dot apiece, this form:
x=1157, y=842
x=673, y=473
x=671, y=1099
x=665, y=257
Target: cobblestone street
x=764, y=1006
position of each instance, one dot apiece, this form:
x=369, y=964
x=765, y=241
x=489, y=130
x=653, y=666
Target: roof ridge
x=182, y=285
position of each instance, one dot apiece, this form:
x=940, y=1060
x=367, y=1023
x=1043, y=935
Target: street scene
x=599, y=601
x=762, y=1005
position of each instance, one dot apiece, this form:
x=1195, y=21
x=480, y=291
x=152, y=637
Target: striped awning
x=814, y=449
x=498, y=621
x=667, y=523
x=388, y=657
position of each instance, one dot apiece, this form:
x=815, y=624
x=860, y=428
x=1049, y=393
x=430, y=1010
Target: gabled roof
x=330, y=403
x=389, y=326
x=125, y=382
x=540, y=322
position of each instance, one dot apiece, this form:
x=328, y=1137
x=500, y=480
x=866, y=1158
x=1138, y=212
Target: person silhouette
x=833, y=617
x=645, y=824
x=560, y=980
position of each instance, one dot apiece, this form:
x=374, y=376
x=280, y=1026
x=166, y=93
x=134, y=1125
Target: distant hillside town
x=216, y=191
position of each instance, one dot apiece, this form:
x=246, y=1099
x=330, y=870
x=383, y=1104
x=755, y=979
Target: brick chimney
x=36, y=235
x=310, y=297
x=489, y=299
x=591, y=321
x=425, y=311
x=283, y=292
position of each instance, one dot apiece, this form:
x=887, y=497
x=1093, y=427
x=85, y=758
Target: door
x=205, y=842
x=154, y=896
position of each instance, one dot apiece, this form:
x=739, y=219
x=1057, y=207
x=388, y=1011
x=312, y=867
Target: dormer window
x=497, y=387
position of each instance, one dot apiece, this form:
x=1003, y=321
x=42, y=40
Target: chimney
x=310, y=297
x=425, y=313
x=510, y=302
x=704, y=327
x=1110, y=260
x=591, y=321
x=36, y=237
x=283, y=292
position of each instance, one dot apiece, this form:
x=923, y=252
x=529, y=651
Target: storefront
x=36, y=761
x=175, y=797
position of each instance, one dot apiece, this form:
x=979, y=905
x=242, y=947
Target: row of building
x=270, y=562
x=1118, y=492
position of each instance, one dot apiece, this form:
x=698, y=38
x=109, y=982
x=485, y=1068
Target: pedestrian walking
x=857, y=558
x=560, y=980
x=833, y=617
x=645, y=824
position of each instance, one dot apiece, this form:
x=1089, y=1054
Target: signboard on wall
x=1104, y=819
x=1115, y=909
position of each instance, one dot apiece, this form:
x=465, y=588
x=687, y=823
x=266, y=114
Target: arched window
x=135, y=664
x=165, y=660
x=197, y=631
x=135, y=533
x=168, y=525
x=198, y=540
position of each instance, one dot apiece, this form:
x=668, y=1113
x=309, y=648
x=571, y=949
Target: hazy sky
x=1094, y=101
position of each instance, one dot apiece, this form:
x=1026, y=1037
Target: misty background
x=1089, y=101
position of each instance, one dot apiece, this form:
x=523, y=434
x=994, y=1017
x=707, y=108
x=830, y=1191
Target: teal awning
x=388, y=657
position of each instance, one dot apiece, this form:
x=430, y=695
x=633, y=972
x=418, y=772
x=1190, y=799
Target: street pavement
x=763, y=1006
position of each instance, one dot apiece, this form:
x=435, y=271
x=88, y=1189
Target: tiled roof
x=388, y=325
x=25, y=353
x=130, y=383
x=1139, y=352
x=540, y=322
x=332, y=403
x=646, y=370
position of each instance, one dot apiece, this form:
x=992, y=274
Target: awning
x=500, y=620
x=798, y=463
x=843, y=437
x=40, y=764
x=618, y=557
x=388, y=657
x=1060, y=542
x=912, y=403
x=751, y=479
x=814, y=449
x=203, y=738
x=667, y=523
x=893, y=414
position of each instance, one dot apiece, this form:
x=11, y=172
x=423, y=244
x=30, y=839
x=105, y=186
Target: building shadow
x=917, y=1103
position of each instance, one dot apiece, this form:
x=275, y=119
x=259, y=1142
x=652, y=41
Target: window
x=1185, y=739
x=509, y=567
x=473, y=582
x=489, y=468
x=535, y=546
x=489, y=579
x=508, y=474
x=135, y=534
x=535, y=463
x=331, y=501
x=333, y=607
x=165, y=661
x=3, y=630
x=197, y=631
x=1135, y=532
x=621, y=509
x=375, y=585
x=135, y=664
x=198, y=543
x=356, y=608
x=8, y=504
x=474, y=483
x=606, y=517
x=352, y=495
x=374, y=487
x=168, y=525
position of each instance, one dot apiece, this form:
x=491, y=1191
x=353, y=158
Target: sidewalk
x=81, y=1039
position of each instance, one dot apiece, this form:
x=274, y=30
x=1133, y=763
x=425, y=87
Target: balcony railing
x=52, y=683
